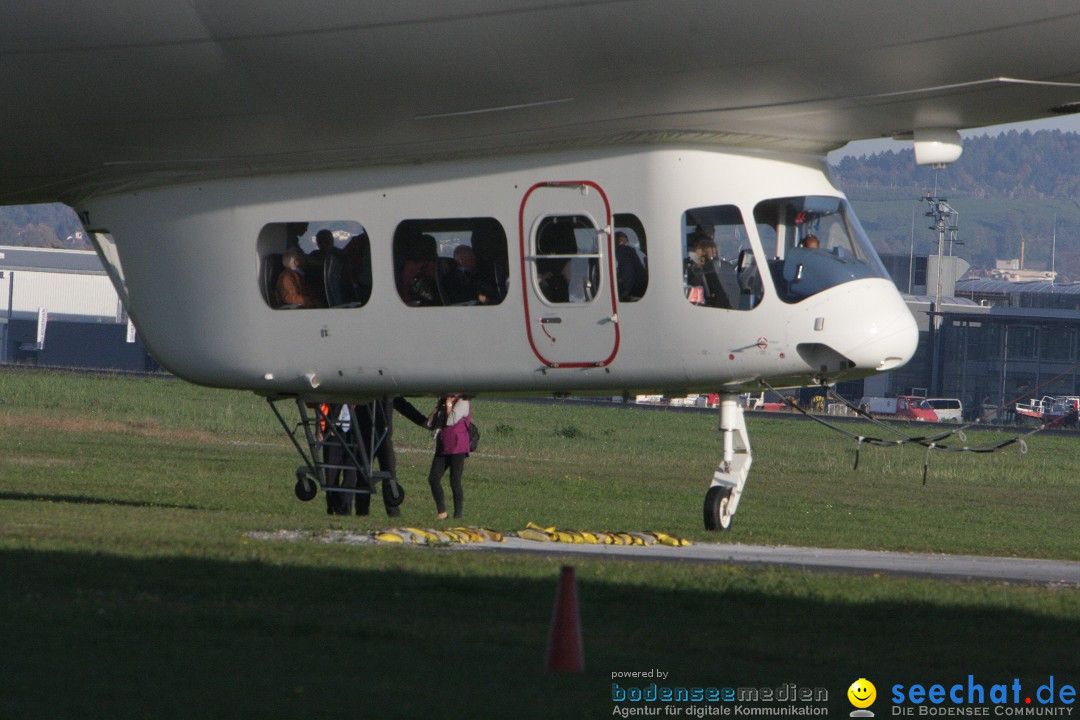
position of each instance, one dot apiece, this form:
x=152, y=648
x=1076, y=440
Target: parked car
x=903, y=407
x=947, y=409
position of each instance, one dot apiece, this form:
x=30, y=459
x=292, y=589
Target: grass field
x=131, y=587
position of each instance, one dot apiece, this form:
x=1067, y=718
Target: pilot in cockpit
x=810, y=242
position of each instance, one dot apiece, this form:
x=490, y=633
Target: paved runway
x=973, y=567
x=859, y=561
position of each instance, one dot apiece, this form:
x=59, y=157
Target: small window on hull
x=309, y=265
x=567, y=266
x=451, y=261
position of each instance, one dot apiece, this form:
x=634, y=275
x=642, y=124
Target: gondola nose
x=891, y=335
x=864, y=327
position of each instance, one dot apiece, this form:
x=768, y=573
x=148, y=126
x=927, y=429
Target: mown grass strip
x=131, y=587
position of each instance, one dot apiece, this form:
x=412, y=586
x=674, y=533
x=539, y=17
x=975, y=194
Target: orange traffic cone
x=564, y=649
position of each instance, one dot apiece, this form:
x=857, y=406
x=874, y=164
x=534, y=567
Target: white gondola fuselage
x=189, y=258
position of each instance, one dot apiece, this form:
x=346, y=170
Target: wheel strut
x=728, y=481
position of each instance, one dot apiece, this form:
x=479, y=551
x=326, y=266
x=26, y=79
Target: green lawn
x=132, y=589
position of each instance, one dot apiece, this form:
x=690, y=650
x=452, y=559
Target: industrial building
x=58, y=308
x=988, y=342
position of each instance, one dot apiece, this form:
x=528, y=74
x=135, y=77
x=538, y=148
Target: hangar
x=58, y=308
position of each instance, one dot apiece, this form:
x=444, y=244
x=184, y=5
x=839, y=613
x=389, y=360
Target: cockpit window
x=816, y=243
x=719, y=269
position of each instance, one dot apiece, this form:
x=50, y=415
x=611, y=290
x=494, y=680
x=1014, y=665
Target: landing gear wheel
x=717, y=515
x=305, y=487
x=392, y=498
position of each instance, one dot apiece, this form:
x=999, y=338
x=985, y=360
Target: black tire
x=392, y=498
x=716, y=501
x=305, y=487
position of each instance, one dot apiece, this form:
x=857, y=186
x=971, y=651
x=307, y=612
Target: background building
x=995, y=342
x=918, y=274
x=58, y=308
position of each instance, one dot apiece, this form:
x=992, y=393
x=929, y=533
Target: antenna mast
x=945, y=219
x=1053, y=252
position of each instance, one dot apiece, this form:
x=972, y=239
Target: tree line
x=1013, y=165
x=1018, y=195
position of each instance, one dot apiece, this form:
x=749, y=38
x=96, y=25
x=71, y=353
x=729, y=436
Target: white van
x=947, y=409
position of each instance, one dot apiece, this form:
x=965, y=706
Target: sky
x=1066, y=123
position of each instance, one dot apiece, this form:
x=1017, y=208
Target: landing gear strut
x=730, y=477
x=354, y=449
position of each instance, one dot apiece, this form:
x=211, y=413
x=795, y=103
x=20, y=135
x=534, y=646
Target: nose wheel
x=718, y=508
x=728, y=481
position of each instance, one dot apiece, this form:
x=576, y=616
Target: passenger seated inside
x=750, y=285
x=324, y=243
x=462, y=284
x=293, y=232
x=316, y=261
x=555, y=238
x=694, y=271
x=710, y=280
x=418, y=275
x=810, y=242
x=630, y=274
x=294, y=290
x=356, y=254
x=491, y=264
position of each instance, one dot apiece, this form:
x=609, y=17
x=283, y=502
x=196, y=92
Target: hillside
x=1010, y=188
x=1012, y=165
x=51, y=226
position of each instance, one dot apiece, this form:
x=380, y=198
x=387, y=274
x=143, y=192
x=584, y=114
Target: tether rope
x=932, y=442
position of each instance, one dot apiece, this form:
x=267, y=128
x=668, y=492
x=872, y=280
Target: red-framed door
x=567, y=274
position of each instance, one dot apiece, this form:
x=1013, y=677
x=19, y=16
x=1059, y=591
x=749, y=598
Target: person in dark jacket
x=630, y=273
x=463, y=284
x=384, y=453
